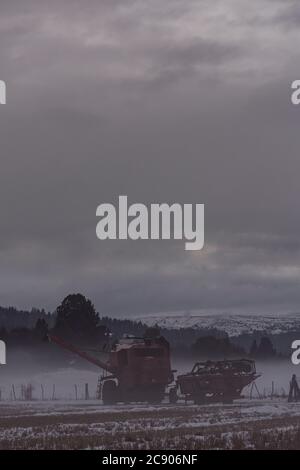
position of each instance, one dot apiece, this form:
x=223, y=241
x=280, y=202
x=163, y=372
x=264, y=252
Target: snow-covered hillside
x=233, y=324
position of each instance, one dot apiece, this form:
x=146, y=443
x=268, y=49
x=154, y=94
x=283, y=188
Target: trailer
x=215, y=381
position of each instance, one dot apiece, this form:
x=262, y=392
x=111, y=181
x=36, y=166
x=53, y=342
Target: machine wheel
x=109, y=392
x=227, y=400
x=155, y=399
x=200, y=399
x=155, y=396
x=173, y=397
x=228, y=396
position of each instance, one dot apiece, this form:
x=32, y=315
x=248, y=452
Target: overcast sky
x=164, y=101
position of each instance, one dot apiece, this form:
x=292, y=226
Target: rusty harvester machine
x=138, y=369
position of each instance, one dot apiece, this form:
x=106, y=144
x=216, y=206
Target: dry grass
x=180, y=427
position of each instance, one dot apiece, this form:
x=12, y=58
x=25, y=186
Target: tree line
x=77, y=321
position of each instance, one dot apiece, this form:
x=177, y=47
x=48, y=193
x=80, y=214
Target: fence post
x=87, y=395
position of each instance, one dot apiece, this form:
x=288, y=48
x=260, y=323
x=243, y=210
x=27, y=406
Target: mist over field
x=24, y=369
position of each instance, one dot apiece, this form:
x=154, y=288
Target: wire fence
x=42, y=392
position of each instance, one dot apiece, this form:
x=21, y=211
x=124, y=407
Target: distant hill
x=232, y=324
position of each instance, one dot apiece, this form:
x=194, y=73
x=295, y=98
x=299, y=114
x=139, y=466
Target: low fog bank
x=278, y=372
x=68, y=381
x=53, y=373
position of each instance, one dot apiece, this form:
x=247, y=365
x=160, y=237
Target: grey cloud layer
x=163, y=101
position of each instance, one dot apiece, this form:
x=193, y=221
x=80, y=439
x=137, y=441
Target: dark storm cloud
x=166, y=102
x=289, y=16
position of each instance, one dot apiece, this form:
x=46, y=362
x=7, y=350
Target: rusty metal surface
x=217, y=380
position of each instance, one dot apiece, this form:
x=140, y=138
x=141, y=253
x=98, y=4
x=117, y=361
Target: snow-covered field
x=233, y=324
x=88, y=424
x=62, y=422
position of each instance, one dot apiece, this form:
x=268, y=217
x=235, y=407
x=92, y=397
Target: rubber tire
x=173, y=397
x=109, y=392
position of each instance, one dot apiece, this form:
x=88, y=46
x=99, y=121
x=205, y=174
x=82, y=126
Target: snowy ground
x=62, y=422
x=88, y=424
x=233, y=324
